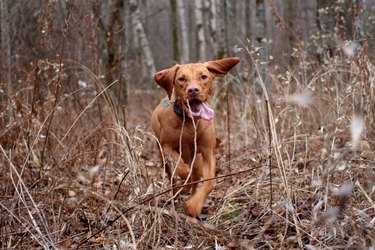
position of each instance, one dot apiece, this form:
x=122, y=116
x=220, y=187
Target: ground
x=98, y=183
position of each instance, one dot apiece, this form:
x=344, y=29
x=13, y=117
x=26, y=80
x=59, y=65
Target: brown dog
x=184, y=126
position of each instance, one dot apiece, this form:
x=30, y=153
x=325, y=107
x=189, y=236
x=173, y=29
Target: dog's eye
x=203, y=77
x=181, y=79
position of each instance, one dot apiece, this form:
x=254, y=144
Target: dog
x=183, y=124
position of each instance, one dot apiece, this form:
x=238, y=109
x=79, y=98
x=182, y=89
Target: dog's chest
x=188, y=133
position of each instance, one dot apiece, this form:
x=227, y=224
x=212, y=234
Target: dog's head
x=193, y=84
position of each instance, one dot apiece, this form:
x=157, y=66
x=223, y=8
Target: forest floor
x=100, y=186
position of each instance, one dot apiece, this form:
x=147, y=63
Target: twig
x=124, y=114
x=371, y=201
x=58, y=86
x=21, y=189
x=270, y=152
x=229, y=167
x=118, y=189
x=263, y=230
x=159, y=194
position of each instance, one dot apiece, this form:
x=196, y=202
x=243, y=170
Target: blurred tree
x=261, y=41
x=184, y=40
x=221, y=10
x=114, y=41
x=201, y=41
x=210, y=6
x=175, y=38
x=288, y=37
x=149, y=64
x=6, y=55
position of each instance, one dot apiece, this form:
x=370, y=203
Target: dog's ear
x=165, y=79
x=220, y=68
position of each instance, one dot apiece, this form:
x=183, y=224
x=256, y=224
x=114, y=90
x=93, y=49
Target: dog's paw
x=193, y=207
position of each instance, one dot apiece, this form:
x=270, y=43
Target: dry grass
x=75, y=174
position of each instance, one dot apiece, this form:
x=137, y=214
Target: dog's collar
x=178, y=110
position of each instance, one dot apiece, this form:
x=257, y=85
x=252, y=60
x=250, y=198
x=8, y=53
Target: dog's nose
x=193, y=90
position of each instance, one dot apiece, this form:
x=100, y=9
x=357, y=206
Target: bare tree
x=260, y=40
x=210, y=6
x=290, y=17
x=251, y=20
x=198, y=11
x=140, y=33
x=184, y=41
x=6, y=53
x=221, y=28
x=175, y=38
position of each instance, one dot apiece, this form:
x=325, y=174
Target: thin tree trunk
x=184, y=41
x=290, y=17
x=230, y=34
x=221, y=29
x=261, y=26
x=198, y=11
x=127, y=45
x=175, y=42
x=251, y=20
x=241, y=14
x=6, y=53
x=139, y=30
x=326, y=24
x=211, y=16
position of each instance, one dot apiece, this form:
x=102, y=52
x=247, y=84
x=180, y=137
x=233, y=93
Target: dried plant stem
x=263, y=230
x=179, y=160
x=57, y=90
x=87, y=107
x=269, y=153
x=21, y=189
x=118, y=189
x=281, y=216
x=180, y=149
x=371, y=201
x=229, y=167
x=277, y=148
x=110, y=223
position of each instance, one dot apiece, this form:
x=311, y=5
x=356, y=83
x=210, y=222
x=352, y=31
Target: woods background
x=129, y=40
x=79, y=166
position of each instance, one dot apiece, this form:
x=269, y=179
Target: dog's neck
x=178, y=109
x=177, y=105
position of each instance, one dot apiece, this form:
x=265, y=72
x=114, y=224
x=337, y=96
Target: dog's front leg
x=195, y=203
x=175, y=166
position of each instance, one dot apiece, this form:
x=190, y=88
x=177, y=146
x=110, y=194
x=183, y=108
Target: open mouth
x=199, y=109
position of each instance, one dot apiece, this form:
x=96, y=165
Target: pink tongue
x=202, y=111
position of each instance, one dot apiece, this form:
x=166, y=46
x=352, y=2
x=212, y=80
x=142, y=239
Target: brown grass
x=72, y=175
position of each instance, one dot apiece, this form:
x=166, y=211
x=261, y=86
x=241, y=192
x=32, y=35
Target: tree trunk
x=231, y=34
x=221, y=29
x=198, y=11
x=6, y=53
x=290, y=17
x=251, y=20
x=261, y=35
x=210, y=6
x=143, y=42
x=175, y=42
x=326, y=24
x=184, y=41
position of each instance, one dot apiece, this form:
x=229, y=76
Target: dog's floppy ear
x=220, y=68
x=165, y=79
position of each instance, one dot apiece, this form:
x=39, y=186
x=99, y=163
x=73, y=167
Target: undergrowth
x=75, y=173
x=295, y=164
